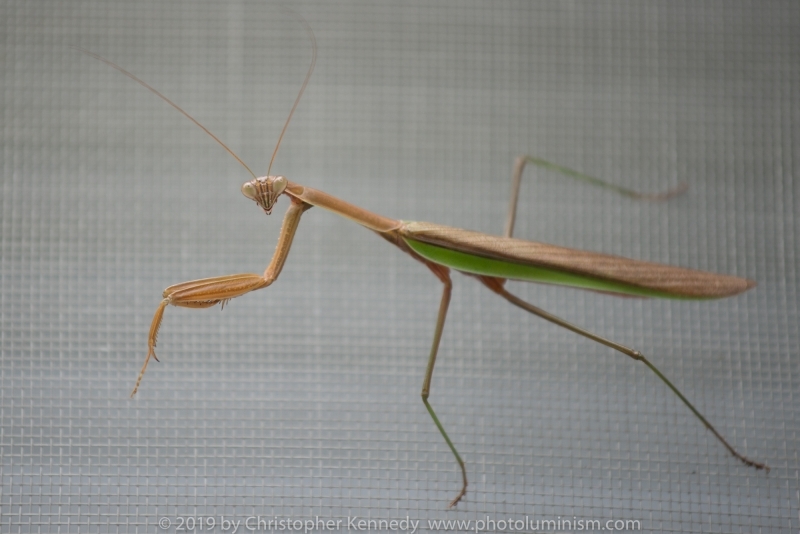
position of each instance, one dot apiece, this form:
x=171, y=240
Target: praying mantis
x=491, y=260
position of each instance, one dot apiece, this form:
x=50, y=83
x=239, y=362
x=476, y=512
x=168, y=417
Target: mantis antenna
x=167, y=100
x=310, y=32
x=196, y=122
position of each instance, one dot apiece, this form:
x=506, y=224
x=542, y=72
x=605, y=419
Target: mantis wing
x=518, y=259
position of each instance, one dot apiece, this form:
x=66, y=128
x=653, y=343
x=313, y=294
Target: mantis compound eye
x=249, y=190
x=278, y=185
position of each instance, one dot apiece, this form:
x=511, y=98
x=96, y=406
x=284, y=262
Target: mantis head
x=265, y=191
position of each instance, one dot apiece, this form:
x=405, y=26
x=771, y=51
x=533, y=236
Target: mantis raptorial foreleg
x=219, y=290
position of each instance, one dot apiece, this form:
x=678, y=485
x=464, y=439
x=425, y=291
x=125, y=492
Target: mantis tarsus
x=489, y=259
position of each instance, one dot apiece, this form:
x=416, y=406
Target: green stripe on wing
x=470, y=263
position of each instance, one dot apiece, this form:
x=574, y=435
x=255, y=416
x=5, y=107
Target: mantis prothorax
x=489, y=259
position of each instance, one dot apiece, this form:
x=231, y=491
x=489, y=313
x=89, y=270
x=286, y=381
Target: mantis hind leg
x=497, y=285
x=522, y=161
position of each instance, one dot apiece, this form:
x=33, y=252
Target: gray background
x=302, y=400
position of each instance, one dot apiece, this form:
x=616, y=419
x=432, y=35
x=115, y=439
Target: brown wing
x=677, y=281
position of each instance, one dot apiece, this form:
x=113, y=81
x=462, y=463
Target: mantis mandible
x=491, y=260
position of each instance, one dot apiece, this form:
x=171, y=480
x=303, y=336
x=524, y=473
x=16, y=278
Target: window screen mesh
x=301, y=401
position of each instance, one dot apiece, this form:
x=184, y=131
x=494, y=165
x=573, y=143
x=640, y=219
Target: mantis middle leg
x=443, y=274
